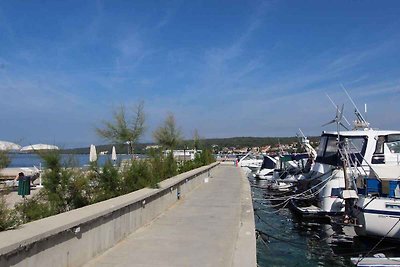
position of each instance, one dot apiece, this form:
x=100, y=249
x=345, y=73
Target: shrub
x=67, y=188
x=156, y=161
x=170, y=166
x=64, y=188
x=79, y=191
x=107, y=183
x=9, y=218
x=201, y=159
x=34, y=208
x=138, y=176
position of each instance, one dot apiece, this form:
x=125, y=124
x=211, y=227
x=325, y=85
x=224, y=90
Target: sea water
x=291, y=241
x=79, y=160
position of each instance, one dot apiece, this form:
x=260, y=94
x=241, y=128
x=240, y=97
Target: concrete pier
x=203, y=217
x=213, y=225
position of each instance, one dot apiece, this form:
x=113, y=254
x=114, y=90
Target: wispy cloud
x=379, y=89
x=246, y=80
x=168, y=15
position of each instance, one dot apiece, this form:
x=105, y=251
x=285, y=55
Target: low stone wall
x=75, y=237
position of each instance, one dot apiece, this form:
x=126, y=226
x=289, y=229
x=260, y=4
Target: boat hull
x=378, y=217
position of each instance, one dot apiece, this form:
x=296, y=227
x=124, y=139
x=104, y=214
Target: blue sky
x=227, y=68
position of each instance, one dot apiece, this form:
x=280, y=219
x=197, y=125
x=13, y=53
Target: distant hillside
x=120, y=148
x=237, y=142
x=251, y=141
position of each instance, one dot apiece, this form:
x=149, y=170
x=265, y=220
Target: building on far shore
x=184, y=154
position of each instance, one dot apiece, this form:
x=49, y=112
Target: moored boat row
x=355, y=178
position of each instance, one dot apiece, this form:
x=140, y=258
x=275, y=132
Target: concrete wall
x=75, y=237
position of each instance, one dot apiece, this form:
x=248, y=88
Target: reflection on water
x=289, y=241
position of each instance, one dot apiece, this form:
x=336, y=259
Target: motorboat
x=367, y=148
x=250, y=161
x=267, y=168
x=280, y=186
x=377, y=209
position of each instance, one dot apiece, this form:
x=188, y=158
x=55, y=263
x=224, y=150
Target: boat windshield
x=393, y=142
x=328, y=152
x=268, y=163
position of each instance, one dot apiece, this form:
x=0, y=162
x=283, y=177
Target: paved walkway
x=200, y=230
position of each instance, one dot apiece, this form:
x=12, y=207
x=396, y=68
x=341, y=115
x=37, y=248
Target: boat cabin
x=365, y=147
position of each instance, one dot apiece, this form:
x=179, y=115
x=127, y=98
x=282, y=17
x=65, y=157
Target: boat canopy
x=268, y=163
x=328, y=151
x=385, y=172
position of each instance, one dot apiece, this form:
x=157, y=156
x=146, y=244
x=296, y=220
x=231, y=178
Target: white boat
x=378, y=260
x=290, y=168
x=377, y=209
x=280, y=186
x=367, y=148
x=251, y=162
x=267, y=168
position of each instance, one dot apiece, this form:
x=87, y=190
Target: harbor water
x=287, y=240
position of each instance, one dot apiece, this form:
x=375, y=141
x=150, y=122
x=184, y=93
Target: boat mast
x=360, y=122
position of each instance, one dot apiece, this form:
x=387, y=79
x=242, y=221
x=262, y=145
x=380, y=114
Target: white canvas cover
x=113, y=154
x=385, y=172
x=92, y=153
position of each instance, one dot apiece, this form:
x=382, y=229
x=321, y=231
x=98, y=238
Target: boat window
x=395, y=206
x=393, y=143
x=321, y=147
x=328, y=151
x=331, y=147
x=330, y=155
x=379, y=145
x=336, y=192
x=356, y=144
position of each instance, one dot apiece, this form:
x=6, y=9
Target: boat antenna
x=302, y=134
x=360, y=122
x=365, y=110
x=344, y=117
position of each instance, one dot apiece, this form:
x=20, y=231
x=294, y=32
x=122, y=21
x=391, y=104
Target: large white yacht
x=367, y=148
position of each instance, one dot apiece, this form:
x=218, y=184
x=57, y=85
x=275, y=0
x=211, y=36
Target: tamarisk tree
x=125, y=128
x=168, y=135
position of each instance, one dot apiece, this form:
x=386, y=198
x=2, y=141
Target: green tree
x=196, y=139
x=124, y=129
x=168, y=135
